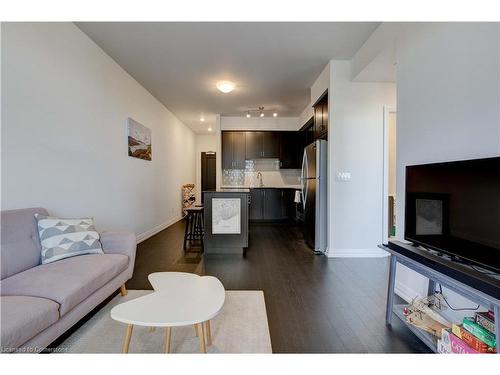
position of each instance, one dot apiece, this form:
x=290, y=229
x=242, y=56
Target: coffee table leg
x=208, y=332
x=201, y=336
x=128, y=336
x=168, y=334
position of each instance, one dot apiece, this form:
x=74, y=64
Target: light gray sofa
x=41, y=302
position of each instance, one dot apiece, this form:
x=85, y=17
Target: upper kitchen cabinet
x=291, y=147
x=270, y=145
x=233, y=150
x=321, y=117
x=253, y=144
x=261, y=145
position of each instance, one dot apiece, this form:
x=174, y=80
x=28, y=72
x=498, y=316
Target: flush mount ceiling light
x=225, y=86
x=202, y=119
x=209, y=129
x=261, y=111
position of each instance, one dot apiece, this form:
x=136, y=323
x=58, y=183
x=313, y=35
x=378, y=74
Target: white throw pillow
x=64, y=238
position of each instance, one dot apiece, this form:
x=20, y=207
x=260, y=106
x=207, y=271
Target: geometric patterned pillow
x=64, y=238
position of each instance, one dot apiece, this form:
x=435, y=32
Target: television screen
x=454, y=208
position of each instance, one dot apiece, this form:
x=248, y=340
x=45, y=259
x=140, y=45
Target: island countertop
x=231, y=190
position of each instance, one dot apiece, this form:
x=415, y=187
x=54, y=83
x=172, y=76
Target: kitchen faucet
x=259, y=177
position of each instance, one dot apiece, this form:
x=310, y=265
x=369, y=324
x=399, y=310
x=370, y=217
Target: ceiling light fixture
x=261, y=112
x=209, y=129
x=225, y=86
x=202, y=119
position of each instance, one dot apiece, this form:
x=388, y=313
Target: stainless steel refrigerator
x=314, y=195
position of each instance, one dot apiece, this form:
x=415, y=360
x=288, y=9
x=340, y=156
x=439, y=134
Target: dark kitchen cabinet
x=291, y=147
x=261, y=145
x=253, y=144
x=271, y=204
x=270, y=145
x=288, y=203
x=321, y=118
x=307, y=133
x=256, y=205
x=233, y=150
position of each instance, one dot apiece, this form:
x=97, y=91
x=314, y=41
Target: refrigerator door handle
x=303, y=178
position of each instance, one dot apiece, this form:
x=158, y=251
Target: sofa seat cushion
x=68, y=281
x=24, y=317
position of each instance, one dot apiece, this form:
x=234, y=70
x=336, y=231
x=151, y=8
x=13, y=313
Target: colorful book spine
x=480, y=332
x=474, y=342
x=454, y=344
x=485, y=321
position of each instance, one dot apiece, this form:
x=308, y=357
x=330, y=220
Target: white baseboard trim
x=357, y=253
x=149, y=233
x=405, y=292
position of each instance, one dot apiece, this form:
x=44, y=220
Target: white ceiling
x=272, y=64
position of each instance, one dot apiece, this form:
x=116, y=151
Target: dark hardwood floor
x=314, y=304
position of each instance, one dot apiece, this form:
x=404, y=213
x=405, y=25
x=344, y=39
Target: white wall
x=64, y=146
x=306, y=115
x=356, y=145
x=448, y=104
x=392, y=153
x=258, y=123
x=204, y=143
x=321, y=84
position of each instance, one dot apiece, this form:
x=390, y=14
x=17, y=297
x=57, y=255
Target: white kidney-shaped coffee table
x=179, y=299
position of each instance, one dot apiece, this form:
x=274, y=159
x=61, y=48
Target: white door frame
x=385, y=172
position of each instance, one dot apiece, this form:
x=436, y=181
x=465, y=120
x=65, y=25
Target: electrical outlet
x=344, y=176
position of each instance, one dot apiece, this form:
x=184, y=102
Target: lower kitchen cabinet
x=256, y=211
x=271, y=204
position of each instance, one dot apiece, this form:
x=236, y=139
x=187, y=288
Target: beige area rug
x=241, y=327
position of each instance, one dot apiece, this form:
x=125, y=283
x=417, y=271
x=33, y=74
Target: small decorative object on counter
x=188, y=197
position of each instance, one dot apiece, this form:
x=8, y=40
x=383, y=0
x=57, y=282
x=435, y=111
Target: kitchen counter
x=296, y=187
x=233, y=190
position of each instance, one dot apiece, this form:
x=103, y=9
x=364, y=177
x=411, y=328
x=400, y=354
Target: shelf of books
x=473, y=335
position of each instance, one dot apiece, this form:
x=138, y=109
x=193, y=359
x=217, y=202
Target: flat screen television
x=454, y=208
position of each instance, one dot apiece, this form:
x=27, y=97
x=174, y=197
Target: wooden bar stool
x=194, y=225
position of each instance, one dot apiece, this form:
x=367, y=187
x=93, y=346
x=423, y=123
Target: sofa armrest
x=120, y=243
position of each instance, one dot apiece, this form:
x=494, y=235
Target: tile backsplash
x=272, y=175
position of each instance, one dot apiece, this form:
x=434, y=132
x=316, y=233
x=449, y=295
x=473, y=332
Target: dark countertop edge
x=237, y=191
x=268, y=187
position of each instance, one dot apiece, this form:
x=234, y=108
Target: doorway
x=208, y=172
x=390, y=168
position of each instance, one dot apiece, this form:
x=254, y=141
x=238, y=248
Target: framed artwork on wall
x=139, y=140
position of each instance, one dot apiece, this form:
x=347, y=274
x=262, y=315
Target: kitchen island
x=226, y=221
